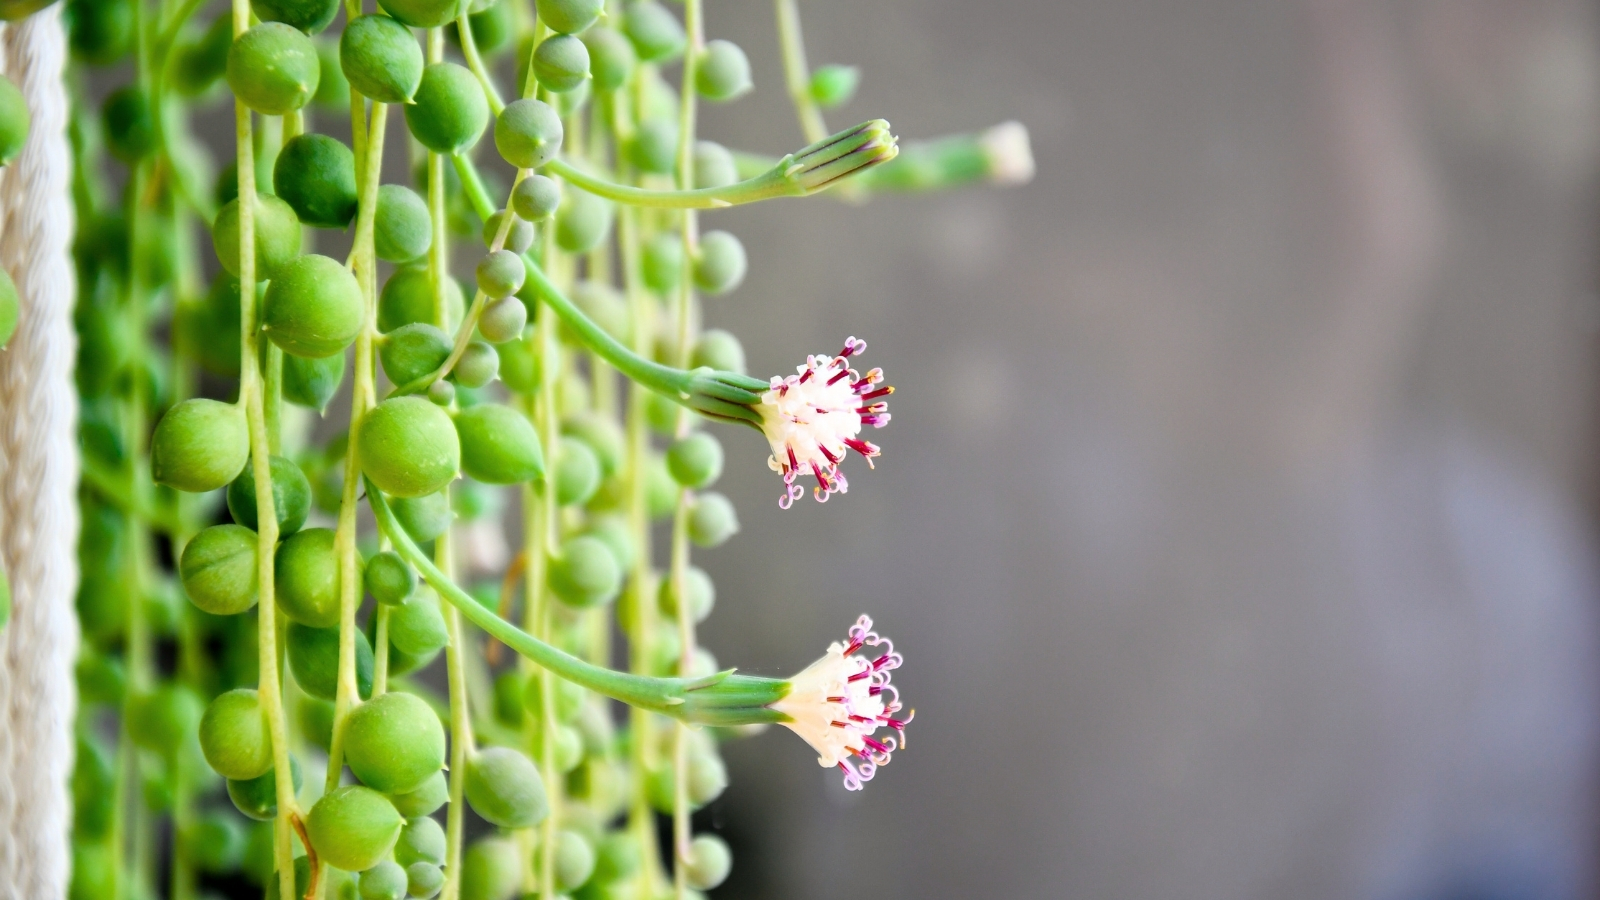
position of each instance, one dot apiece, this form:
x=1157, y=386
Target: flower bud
x=504, y=787
x=381, y=58
x=568, y=16
x=536, y=197
x=277, y=236
x=611, y=58
x=233, y=735
x=306, y=569
x=388, y=579
x=393, y=743
x=218, y=569
x=519, y=237
x=291, y=496
x=312, y=382
x=273, y=68
x=561, y=63
x=477, y=366
x=500, y=273
x=528, y=133
x=199, y=445
x=821, y=164
x=409, y=447
x=712, y=520
x=585, y=574
x=498, y=444
x=695, y=461
x=401, y=229
x=721, y=264
x=723, y=72
x=353, y=827
x=314, y=659
x=449, y=111
x=833, y=85
x=656, y=35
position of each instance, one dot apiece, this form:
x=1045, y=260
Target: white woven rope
x=38, y=479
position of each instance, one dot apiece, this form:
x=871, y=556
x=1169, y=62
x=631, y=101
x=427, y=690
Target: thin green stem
x=460, y=726
x=469, y=50
x=675, y=697
x=796, y=74
x=346, y=695
x=678, y=565
x=547, y=545
x=250, y=395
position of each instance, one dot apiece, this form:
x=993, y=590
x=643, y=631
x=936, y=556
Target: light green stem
x=796, y=74
x=678, y=564
x=347, y=692
x=735, y=694
x=250, y=389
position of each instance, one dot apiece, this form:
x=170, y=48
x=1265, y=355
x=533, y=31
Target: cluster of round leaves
x=414, y=446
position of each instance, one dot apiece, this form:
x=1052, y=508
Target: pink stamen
x=880, y=392
x=845, y=373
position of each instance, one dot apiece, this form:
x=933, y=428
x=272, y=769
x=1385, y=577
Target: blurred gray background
x=1235, y=518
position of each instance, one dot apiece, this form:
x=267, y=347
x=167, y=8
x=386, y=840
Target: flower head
x=813, y=418
x=842, y=699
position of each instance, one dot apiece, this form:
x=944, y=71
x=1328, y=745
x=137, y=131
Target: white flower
x=1009, y=153
x=842, y=699
x=813, y=418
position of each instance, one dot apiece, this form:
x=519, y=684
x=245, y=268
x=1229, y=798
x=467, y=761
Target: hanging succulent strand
x=556, y=231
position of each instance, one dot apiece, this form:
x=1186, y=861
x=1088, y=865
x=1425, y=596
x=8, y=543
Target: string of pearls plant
x=330, y=370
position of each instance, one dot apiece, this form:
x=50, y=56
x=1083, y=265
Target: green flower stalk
x=808, y=171
x=1000, y=155
x=837, y=704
